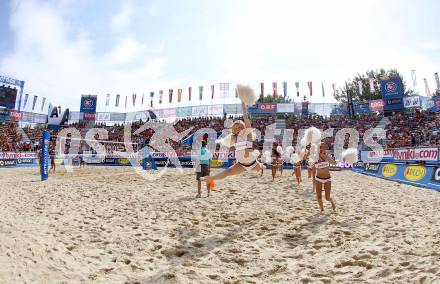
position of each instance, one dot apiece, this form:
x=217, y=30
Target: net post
x=44, y=162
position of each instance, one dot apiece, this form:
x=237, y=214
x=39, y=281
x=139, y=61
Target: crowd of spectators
x=408, y=129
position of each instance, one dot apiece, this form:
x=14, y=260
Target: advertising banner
x=89, y=116
x=184, y=111
x=11, y=155
x=58, y=116
x=5, y=163
x=117, y=116
x=285, y=108
x=267, y=108
x=88, y=103
x=232, y=109
x=305, y=108
x=389, y=170
x=361, y=107
x=392, y=94
x=416, y=154
x=103, y=116
x=372, y=167
x=377, y=105
x=169, y=112
x=376, y=155
x=199, y=111
x=435, y=104
x=435, y=177
x=215, y=110
x=411, y=102
x=414, y=173
x=418, y=175
x=15, y=116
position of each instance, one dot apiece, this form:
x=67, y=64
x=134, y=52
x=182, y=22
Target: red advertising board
x=267, y=107
x=416, y=154
x=89, y=116
x=377, y=105
x=15, y=116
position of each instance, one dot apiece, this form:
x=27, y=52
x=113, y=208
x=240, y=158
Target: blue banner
x=361, y=107
x=88, y=104
x=44, y=163
x=436, y=104
x=392, y=94
x=414, y=174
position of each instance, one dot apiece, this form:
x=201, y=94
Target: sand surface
x=108, y=225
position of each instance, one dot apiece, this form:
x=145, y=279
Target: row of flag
x=34, y=102
x=224, y=89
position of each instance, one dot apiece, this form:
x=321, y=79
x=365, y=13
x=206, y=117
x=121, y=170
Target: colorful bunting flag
x=285, y=89
x=170, y=95
x=179, y=95
x=275, y=91
x=200, y=92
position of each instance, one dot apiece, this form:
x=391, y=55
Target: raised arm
x=246, y=119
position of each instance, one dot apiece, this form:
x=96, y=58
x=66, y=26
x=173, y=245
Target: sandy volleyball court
x=110, y=226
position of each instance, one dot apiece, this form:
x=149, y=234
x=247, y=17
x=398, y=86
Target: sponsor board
x=359, y=165
x=377, y=105
x=217, y=163
x=124, y=161
x=379, y=154
x=24, y=161
x=285, y=108
x=372, y=167
x=103, y=116
x=267, y=107
x=412, y=101
x=15, y=116
x=7, y=163
x=436, y=175
x=88, y=104
x=11, y=155
x=416, y=154
x=415, y=173
x=89, y=116
x=389, y=170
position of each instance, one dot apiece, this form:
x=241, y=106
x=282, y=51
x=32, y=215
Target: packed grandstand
x=403, y=129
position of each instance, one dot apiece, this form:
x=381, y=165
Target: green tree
x=341, y=93
x=270, y=99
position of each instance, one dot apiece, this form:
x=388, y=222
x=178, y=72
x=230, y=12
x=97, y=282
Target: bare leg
x=319, y=195
x=281, y=169
x=208, y=187
x=298, y=175
x=234, y=170
x=274, y=170
x=259, y=168
x=328, y=189
x=199, y=189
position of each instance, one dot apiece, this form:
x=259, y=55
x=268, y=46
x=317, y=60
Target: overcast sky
x=63, y=49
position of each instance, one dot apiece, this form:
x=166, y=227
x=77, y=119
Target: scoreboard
x=8, y=97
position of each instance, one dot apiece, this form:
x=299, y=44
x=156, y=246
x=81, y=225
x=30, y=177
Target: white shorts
x=323, y=180
x=249, y=167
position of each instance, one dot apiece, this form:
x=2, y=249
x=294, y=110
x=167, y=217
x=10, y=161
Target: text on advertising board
x=389, y=170
x=436, y=175
x=372, y=167
x=415, y=173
